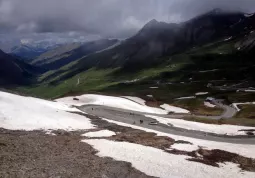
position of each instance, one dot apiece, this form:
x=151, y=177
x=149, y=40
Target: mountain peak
x=151, y=23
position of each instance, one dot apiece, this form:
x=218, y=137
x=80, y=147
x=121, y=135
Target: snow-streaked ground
x=173, y=109
x=132, y=103
x=211, y=128
x=156, y=162
x=241, y=149
x=27, y=113
x=184, y=147
x=101, y=133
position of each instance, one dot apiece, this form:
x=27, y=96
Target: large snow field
x=27, y=113
x=132, y=103
x=241, y=149
x=211, y=128
x=156, y=162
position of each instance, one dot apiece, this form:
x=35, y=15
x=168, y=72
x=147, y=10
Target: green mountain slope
x=65, y=54
x=211, y=53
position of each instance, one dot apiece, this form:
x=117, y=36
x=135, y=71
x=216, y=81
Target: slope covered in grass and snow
x=27, y=113
x=155, y=162
x=128, y=103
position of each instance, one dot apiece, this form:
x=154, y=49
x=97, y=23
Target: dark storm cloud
x=119, y=18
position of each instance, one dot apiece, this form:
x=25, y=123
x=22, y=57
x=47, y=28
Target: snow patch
x=155, y=162
x=49, y=132
x=185, y=147
x=187, y=97
x=201, y=93
x=132, y=103
x=111, y=101
x=251, y=91
x=131, y=81
x=248, y=15
x=173, y=109
x=235, y=105
x=101, y=133
x=227, y=39
x=246, y=150
x=27, y=113
x=210, y=105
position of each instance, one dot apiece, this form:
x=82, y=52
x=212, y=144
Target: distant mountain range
x=29, y=52
x=156, y=41
x=63, y=55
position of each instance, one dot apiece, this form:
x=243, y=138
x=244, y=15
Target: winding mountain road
x=134, y=117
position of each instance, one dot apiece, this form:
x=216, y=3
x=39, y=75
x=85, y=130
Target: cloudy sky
x=104, y=18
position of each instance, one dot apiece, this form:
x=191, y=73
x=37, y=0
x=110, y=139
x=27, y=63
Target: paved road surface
x=133, y=117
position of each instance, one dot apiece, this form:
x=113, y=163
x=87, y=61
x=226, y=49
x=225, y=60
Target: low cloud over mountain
x=107, y=18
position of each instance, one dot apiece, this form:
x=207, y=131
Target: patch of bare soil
x=214, y=157
x=35, y=154
x=155, y=104
x=220, y=156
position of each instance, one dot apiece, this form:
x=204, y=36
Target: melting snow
x=251, y=91
x=155, y=162
x=184, y=147
x=227, y=39
x=184, y=98
x=101, y=133
x=241, y=149
x=119, y=102
x=208, y=104
x=27, y=113
x=248, y=15
x=201, y=93
x=235, y=105
x=173, y=109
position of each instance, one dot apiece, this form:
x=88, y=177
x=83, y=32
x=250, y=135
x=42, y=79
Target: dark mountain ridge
x=15, y=71
x=158, y=39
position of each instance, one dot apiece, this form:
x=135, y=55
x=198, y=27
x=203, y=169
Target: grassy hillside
x=218, y=63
